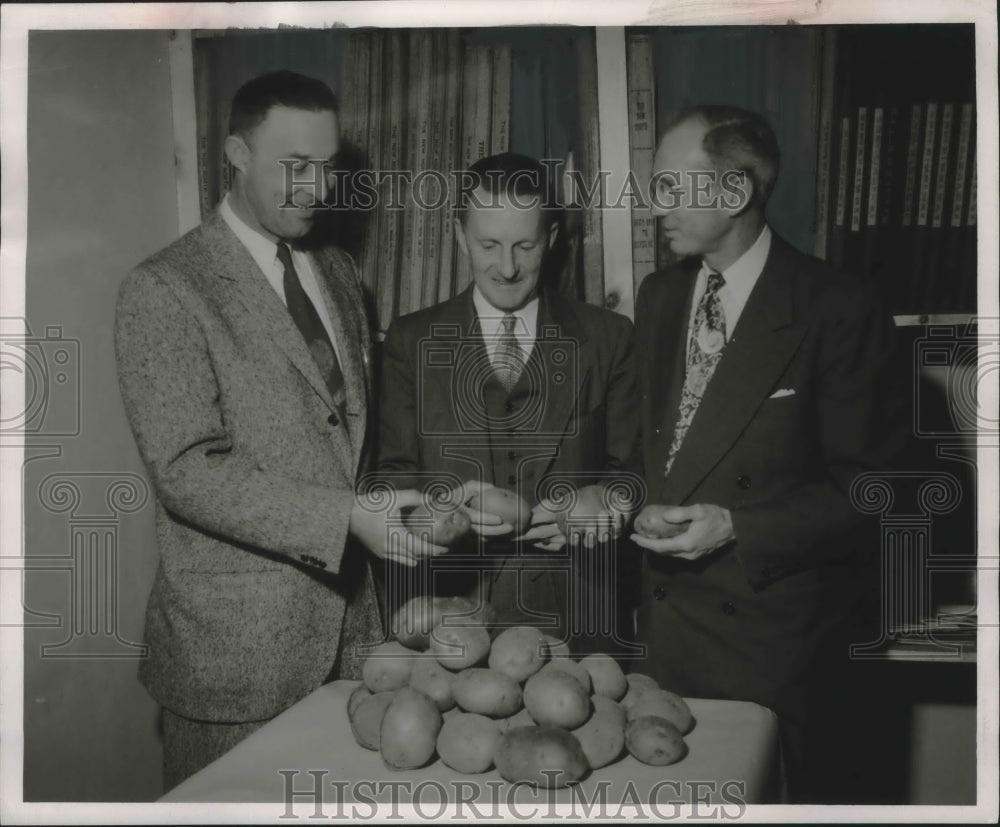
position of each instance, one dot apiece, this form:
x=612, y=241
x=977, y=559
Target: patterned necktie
x=309, y=324
x=508, y=359
x=708, y=338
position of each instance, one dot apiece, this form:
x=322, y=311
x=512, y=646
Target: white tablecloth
x=732, y=758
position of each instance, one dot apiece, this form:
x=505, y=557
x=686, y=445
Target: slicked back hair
x=737, y=139
x=517, y=177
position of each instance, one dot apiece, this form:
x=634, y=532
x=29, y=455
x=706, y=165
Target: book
x=587, y=160
x=476, y=128
x=451, y=158
x=391, y=198
x=500, y=115
x=825, y=144
x=642, y=145
x=418, y=126
x=432, y=191
x=203, y=116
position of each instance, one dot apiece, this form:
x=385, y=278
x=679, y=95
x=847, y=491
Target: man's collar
x=748, y=267
x=260, y=246
x=486, y=311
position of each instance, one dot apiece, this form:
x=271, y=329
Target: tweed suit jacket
x=254, y=477
x=801, y=402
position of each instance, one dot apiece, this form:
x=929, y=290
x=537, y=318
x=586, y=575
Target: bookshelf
x=878, y=166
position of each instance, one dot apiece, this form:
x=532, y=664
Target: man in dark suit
x=763, y=376
x=511, y=384
x=243, y=362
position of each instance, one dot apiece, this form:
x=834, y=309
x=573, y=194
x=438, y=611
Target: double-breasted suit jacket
x=799, y=405
x=571, y=418
x=254, y=475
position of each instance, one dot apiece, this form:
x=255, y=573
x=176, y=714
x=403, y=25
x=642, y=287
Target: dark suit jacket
x=799, y=405
x=254, y=480
x=574, y=410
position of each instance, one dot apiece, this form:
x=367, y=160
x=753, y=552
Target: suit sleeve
x=171, y=397
x=398, y=444
x=861, y=425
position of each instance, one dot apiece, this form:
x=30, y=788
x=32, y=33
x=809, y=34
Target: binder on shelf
x=642, y=145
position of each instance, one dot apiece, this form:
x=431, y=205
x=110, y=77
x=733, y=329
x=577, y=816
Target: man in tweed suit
x=244, y=368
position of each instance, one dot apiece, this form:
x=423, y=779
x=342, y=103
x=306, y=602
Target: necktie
x=508, y=359
x=708, y=338
x=311, y=327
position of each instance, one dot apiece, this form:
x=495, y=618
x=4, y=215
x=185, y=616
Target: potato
x=654, y=740
x=388, y=667
x=606, y=706
x=556, y=698
x=652, y=524
x=467, y=742
x=431, y=678
x=557, y=648
x=664, y=704
x=606, y=675
x=506, y=505
x=359, y=694
x=414, y=621
x=487, y=692
x=440, y=527
x=637, y=684
x=543, y=755
x=602, y=737
x=570, y=667
x=519, y=652
x=366, y=719
x=458, y=647
x=410, y=727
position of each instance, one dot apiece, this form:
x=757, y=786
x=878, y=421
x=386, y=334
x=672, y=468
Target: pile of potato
x=518, y=702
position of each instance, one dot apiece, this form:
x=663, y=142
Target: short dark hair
x=511, y=174
x=738, y=139
x=255, y=98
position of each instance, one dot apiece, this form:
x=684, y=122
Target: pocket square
x=778, y=394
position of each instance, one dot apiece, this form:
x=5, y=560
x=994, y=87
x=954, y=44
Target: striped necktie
x=508, y=358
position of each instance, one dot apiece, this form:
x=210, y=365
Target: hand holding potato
x=495, y=511
x=709, y=527
x=377, y=521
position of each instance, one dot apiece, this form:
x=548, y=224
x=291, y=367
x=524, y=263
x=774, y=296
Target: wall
x=102, y=197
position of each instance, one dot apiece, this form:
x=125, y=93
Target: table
x=732, y=760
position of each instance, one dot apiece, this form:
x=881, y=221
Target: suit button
x=659, y=593
x=743, y=481
x=333, y=419
x=512, y=479
x=728, y=608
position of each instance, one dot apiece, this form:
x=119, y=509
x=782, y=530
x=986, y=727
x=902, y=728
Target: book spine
x=390, y=207
x=451, y=155
x=870, y=231
x=588, y=160
x=835, y=249
x=477, y=111
x=859, y=170
x=641, y=148
x=368, y=133
x=203, y=107
x=824, y=159
x=225, y=168
x=432, y=190
x=500, y=116
x=912, y=160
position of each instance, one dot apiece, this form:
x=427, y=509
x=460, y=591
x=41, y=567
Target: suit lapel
x=764, y=341
x=351, y=352
x=233, y=262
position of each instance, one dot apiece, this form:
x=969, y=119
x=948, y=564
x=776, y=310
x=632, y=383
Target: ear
x=237, y=152
x=738, y=195
x=463, y=242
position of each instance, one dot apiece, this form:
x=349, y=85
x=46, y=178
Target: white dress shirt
x=265, y=253
x=491, y=323
x=740, y=276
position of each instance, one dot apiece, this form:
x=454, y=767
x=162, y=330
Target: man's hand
x=370, y=523
x=484, y=524
x=544, y=533
x=711, y=528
